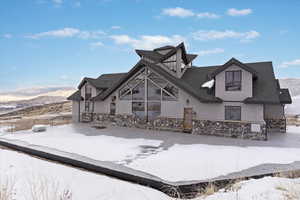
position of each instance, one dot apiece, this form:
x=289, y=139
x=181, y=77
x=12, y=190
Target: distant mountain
x=33, y=96
x=294, y=86
x=31, y=93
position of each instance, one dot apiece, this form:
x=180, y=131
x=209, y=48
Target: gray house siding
x=75, y=111
x=175, y=109
x=246, y=90
x=274, y=111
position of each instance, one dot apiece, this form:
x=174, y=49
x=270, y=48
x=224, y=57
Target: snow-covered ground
x=268, y=188
x=171, y=156
x=29, y=173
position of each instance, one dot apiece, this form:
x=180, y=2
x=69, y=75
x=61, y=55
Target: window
x=112, y=108
x=171, y=63
x=87, y=106
x=154, y=92
x=146, y=90
x=233, y=80
x=138, y=109
x=88, y=92
x=153, y=110
x=232, y=113
x=138, y=93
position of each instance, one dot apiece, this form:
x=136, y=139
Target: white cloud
x=7, y=36
x=290, y=63
x=96, y=44
x=178, y=12
x=236, y=12
x=208, y=15
x=67, y=33
x=210, y=51
x=205, y=35
x=182, y=12
x=147, y=41
x=115, y=27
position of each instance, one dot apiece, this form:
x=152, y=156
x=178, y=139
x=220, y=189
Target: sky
x=58, y=42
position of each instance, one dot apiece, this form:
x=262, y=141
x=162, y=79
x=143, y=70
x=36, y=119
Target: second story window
x=88, y=92
x=233, y=80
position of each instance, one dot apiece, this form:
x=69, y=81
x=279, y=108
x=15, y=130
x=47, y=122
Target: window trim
x=233, y=71
x=87, y=106
x=90, y=92
x=175, y=98
x=228, y=107
x=112, y=111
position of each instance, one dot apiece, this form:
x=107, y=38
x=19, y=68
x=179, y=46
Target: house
x=165, y=91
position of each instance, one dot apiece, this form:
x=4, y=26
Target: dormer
x=234, y=81
x=88, y=88
x=175, y=60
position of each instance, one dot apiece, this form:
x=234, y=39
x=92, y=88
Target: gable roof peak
x=164, y=48
x=230, y=63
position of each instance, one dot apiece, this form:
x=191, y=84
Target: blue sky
x=57, y=42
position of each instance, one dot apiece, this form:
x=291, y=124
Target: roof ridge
x=222, y=65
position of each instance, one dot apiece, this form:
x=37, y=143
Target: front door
x=188, y=120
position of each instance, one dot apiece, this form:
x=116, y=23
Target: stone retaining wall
x=228, y=129
x=200, y=127
x=276, y=125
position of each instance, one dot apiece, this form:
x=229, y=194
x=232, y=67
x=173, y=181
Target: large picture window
x=233, y=80
x=233, y=113
x=138, y=109
x=146, y=91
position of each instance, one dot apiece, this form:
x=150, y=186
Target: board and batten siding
x=273, y=111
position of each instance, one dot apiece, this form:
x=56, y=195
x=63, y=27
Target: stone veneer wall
x=200, y=127
x=276, y=125
x=229, y=129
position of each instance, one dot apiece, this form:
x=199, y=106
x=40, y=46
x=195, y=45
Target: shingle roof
x=231, y=62
x=157, y=57
x=104, y=81
x=265, y=86
x=164, y=48
x=266, y=89
x=284, y=96
x=153, y=55
x=181, y=83
x=76, y=96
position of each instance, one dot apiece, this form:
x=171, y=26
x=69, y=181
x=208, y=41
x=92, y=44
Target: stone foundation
x=171, y=124
x=228, y=129
x=278, y=125
x=200, y=127
x=86, y=117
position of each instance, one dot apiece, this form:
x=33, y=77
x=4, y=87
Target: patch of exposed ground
x=49, y=114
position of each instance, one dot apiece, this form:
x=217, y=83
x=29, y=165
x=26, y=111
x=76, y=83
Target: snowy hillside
x=18, y=99
x=31, y=93
x=294, y=86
